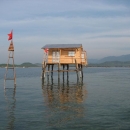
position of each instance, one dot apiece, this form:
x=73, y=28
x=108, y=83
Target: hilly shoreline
x=104, y=64
x=25, y=64
x=110, y=61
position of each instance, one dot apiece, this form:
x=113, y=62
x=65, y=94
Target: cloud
x=27, y=9
x=65, y=25
x=101, y=26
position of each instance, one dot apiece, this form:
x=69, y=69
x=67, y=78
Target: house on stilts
x=64, y=55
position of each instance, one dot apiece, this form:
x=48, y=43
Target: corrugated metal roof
x=62, y=46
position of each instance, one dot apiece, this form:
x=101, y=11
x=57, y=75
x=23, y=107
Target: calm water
x=102, y=102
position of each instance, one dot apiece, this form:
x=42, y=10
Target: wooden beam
x=82, y=72
x=52, y=70
x=44, y=70
x=48, y=70
x=76, y=65
x=58, y=73
x=67, y=72
x=62, y=70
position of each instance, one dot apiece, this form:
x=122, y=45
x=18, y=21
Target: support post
x=67, y=74
x=76, y=65
x=82, y=71
x=58, y=73
x=52, y=74
x=63, y=71
x=48, y=73
x=52, y=70
x=44, y=70
x=48, y=70
x=80, y=75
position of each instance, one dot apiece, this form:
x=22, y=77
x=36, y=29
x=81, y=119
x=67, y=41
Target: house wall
x=64, y=58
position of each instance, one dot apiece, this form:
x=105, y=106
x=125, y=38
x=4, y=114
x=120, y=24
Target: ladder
x=10, y=66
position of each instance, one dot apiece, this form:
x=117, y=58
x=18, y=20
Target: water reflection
x=10, y=107
x=64, y=102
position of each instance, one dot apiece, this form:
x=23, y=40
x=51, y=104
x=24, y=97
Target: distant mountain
x=110, y=64
x=38, y=64
x=122, y=58
x=28, y=64
x=92, y=61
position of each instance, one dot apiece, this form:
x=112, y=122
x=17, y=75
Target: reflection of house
x=65, y=55
x=64, y=103
x=68, y=94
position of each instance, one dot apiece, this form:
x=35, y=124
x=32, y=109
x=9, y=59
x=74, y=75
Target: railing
x=66, y=60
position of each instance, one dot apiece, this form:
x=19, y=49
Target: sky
x=101, y=26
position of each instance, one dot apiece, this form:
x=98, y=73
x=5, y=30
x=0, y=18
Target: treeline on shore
x=110, y=64
x=27, y=64
x=105, y=64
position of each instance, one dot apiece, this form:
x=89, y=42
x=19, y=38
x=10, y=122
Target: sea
x=101, y=101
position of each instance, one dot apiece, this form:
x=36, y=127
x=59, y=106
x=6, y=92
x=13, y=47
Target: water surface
x=101, y=102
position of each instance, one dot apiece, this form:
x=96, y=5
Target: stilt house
x=64, y=54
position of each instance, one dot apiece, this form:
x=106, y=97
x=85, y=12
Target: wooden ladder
x=10, y=66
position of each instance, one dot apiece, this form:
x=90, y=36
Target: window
x=55, y=56
x=71, y=53
x=82, y=56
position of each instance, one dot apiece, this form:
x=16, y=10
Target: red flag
x=10, y=35
x=46, y=50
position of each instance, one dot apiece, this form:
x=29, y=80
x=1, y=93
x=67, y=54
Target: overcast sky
x=101, y=26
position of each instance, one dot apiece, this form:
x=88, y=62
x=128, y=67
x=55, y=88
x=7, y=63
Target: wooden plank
x=64, y=57
x=62, y=70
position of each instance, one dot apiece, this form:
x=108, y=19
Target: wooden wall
x=64, y=58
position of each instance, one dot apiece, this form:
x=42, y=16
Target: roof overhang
x=57, y=46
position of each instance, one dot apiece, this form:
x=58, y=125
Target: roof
x=62, y=46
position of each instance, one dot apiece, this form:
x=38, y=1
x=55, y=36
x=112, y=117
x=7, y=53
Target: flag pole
x=12, y=36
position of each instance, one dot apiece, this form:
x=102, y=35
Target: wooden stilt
x=82, y=71
x=43, y=65
x=63, y=72
x=80, y=75
x=48, y=66
x=58, y=73
x=52, y=70
x=76, y=65
x=67, y=71
x=44, y=70
x=51, y=79
x=52, y=75
x=48, y=70
x=67, y=74
x=48, y=80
